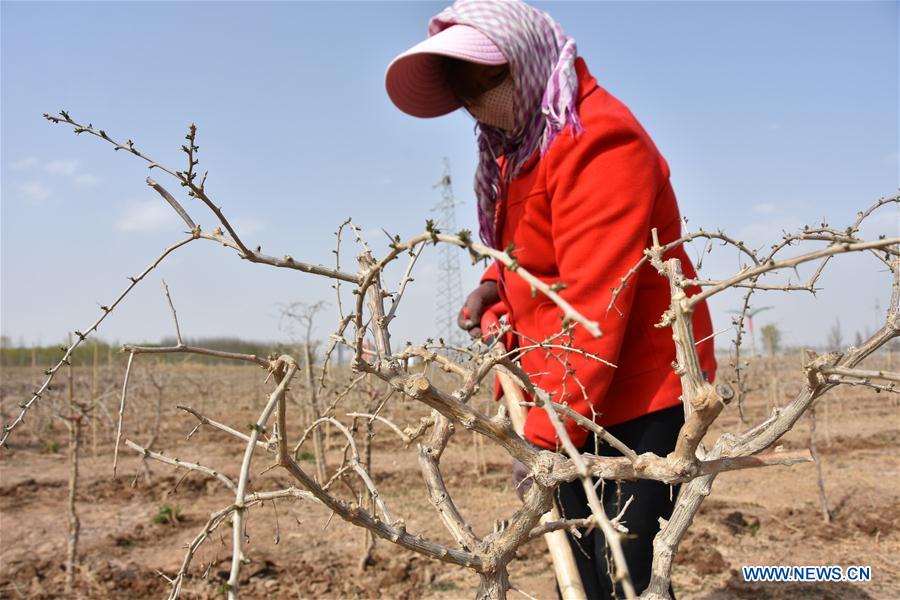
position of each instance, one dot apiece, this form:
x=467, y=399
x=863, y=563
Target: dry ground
x=757, y=517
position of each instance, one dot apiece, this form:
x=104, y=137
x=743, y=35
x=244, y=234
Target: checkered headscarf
x=542, y=65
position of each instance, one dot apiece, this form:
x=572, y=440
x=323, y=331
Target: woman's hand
x=485, y=295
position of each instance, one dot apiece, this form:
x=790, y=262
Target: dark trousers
x=655, y=432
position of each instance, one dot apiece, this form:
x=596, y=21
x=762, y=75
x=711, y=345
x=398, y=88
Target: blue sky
x=770, y=114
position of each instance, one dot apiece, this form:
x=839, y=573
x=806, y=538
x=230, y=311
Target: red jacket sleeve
x=602, y=188
x=490, y=273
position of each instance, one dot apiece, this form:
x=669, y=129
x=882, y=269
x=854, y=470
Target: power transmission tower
x=449, y=286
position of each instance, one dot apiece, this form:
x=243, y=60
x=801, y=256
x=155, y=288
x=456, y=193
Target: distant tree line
x=21, y=355
x=109, y=353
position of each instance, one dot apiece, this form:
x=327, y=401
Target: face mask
x=495, y=106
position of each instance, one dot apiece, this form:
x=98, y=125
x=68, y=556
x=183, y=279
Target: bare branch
x=290, y=367
x=122, y=412
x=174, y=314
x=592, y=427
x=221, y=427
x=173, y=203
x=286, y=262
x=861, y=373
x=216, y=519
x=179, y=464
x=403, y=436
x=407, y=277
x=185, y=349
x=82, y=335
x=791, y=262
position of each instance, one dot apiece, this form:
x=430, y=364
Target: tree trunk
x=493, y=585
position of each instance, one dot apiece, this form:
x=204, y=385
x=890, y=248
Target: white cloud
x=146, y=216
x=66, y=166
x=87, y=179
x=773, y=126
x=767, y=232
x=892, y=157
x=23, y=163
x=766, y=208
x=34, y=192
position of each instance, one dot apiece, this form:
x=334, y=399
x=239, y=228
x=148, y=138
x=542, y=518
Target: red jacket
x=582, y=215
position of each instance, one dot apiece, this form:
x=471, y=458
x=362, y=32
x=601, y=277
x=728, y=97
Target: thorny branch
x=80, y=336
x=488, y=555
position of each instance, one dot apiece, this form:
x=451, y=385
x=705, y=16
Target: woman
x=572, y=183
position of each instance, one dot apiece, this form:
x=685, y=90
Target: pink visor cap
x=415, y=80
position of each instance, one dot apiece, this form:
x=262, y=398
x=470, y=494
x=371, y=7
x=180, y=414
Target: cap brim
x=415, y=80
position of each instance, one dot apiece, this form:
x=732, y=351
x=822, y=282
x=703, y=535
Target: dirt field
x=134, y=530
